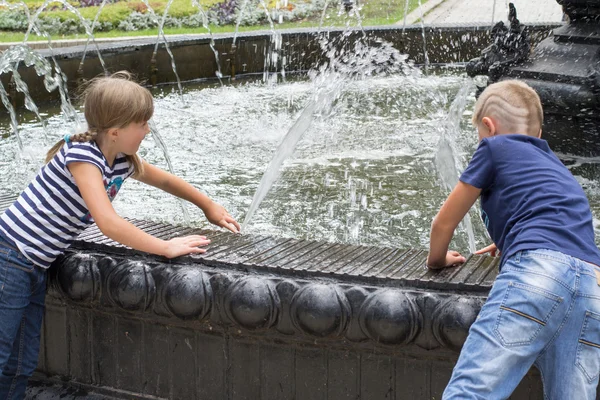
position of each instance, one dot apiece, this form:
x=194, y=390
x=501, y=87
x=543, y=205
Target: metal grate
x=400, y=266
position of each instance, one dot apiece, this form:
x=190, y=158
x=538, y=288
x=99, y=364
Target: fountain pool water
x=364, y=173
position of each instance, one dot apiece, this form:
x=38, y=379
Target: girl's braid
x=86, y=136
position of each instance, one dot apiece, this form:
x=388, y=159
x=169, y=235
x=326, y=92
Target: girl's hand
x=453, y=259
x=185, y=245
x=216, y=214
x=492, y=249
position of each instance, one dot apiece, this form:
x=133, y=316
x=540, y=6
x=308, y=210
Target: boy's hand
x=216, y=214
x=453, y=259
x=492, y=249
x=185, y=245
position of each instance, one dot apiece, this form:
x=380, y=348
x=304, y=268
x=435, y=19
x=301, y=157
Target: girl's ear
x=490, y=125
x=113, y=133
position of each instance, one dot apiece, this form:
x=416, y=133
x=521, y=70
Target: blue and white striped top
x=50, y=213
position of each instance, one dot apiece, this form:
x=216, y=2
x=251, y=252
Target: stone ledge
x=226, y=298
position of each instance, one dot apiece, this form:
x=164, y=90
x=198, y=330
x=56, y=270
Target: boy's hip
x=553, y=271
x=548, y=262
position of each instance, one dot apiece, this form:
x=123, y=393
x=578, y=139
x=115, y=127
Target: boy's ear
x=490, y=125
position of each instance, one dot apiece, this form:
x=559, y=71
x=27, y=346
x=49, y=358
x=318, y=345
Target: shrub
x=134, y=15
x=136, y=22
x=90, y=3
x=224, y=13
x=193, y=21
x=13, y=20
x=137, y=6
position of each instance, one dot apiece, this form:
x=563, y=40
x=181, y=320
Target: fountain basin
x=256, y=317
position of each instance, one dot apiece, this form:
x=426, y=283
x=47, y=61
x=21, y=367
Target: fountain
x=334, y=302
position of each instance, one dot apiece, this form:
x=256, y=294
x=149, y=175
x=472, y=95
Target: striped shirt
x=50, y=213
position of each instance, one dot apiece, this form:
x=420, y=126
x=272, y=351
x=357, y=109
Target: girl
x=82, y=175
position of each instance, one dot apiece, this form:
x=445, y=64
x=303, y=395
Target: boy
x=544, y=308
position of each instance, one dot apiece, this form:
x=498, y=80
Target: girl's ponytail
x=53, y=150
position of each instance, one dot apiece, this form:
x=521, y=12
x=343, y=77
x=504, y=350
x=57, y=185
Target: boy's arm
x=176, y=186
x=492, y=249
x=456, y=206
x=89, y=182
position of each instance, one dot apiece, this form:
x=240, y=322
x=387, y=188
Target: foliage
x=180, y=9
x=91, y=3
x=224, y=13
x=134, y=16
x=13, y=20
x=138, y=21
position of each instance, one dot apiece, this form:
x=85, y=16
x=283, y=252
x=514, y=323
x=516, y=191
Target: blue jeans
x=543, y=310
x=22, y=296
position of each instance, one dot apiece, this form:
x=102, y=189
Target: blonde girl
x=82, y=175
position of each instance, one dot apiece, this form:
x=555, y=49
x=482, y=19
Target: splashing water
x=405, y=15
x=211, y=44
x=91, y=36
x=333, y=89
x=446, y=159
x=329, y=81
x=9, y=61
x=162, y=145
x=425, y=55
x=69, y=7
x=60, y=76
x=161, y=33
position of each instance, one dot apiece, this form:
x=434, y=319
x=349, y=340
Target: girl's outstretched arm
x=89, y=182
x=456, y=206
x=176, y=186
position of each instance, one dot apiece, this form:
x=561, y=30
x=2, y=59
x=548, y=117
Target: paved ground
x=484, y=12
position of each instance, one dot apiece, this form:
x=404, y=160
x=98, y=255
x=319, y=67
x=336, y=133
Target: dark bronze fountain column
x=564, y=69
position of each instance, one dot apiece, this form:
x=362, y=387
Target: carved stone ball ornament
x=389, y=316
x=187, y=293
x=253, y=303
x=130, y=286
x=78, y=278
x=452, y=320
x=320, y=310
x=256, y=302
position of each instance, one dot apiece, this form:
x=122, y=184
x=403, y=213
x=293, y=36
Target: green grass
x=373, y=13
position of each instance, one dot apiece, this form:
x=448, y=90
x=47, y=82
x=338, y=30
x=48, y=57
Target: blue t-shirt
x=529, y=199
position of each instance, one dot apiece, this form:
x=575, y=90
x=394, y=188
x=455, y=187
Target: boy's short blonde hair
x=512, y=103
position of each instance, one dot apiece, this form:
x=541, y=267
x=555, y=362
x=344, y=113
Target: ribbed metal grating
x=306, y=257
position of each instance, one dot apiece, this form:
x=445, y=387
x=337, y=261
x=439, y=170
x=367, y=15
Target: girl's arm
x=456, y=206
x=176, y=186
x=89, y=182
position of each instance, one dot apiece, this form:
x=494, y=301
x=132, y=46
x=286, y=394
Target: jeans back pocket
x=524, y=311
x=588, y=348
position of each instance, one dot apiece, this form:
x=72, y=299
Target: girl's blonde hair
x=111, y=102
x=514, y=103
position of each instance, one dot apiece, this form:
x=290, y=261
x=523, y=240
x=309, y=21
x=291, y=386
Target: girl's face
x=130, y=137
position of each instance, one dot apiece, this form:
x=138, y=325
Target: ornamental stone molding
x=322, y=308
